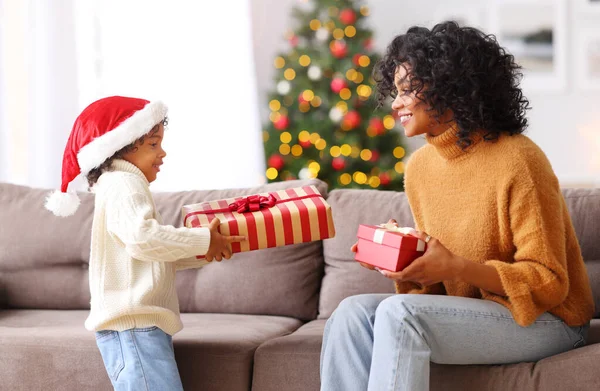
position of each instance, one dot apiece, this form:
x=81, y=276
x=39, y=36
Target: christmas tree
x=323, y=120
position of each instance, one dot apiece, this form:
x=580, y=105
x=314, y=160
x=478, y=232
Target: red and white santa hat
x=102, y=128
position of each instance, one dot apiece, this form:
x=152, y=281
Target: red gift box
x=273, y=219
x=387, y=248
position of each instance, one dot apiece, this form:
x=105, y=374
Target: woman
x=502, y=279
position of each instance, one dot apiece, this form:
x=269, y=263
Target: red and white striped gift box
x=279, y=218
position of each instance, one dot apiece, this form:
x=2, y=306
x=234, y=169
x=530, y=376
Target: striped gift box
x=273, y=219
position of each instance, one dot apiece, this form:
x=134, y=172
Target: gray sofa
x=254, y=322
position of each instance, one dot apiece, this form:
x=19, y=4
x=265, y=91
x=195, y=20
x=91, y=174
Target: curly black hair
x=94, y=174
x=461, y=69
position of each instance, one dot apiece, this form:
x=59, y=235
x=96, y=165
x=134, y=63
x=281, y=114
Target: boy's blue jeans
x=139, y=359
x=386, y=342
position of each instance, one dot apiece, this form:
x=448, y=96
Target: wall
x=565, y=124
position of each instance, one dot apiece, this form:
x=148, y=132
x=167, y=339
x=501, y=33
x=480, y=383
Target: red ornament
x=384, y=178
x=374, y=156
x=368, y=44
x=352, y=119
x=276, y=161
x=293, y=40
x=301, y=98
x=377, y=125
x=282, y=123
x=305, y=144
x=355, y=59
x=338, y=49
x=338, y=84
x=348, y=16
x=338, y=163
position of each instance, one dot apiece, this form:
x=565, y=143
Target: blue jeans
x=386, y=342
x=139, y=359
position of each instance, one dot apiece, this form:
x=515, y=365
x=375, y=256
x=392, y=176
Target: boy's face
x=413, y=113
x=148, y=157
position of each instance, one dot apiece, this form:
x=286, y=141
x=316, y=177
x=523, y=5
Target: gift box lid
x=399, y=240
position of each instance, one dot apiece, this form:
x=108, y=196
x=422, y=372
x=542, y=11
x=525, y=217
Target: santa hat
x=103, y=128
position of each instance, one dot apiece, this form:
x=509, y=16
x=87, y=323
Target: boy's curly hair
x=461, y=69
x=94, y=174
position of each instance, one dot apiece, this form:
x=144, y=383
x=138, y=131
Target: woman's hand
x=436, y=265
x=354, y=248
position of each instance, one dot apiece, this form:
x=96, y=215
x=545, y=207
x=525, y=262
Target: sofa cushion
x=44, y=260
x=50, y=350
x=291, y=363
x=343, y=275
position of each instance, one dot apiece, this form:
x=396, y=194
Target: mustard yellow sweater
x=499, y=203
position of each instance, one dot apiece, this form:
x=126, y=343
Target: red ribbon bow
x=252, y=203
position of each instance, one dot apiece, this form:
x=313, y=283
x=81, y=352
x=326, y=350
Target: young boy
x=117, y=143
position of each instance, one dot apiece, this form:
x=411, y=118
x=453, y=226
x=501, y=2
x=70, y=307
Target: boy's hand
x=220, y=245
x=354, y=248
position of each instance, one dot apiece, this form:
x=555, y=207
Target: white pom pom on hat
x=102, y=128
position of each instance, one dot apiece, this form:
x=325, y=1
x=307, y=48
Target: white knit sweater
x=134, y=258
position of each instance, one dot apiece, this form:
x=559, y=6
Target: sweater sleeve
x=130, y=220
x=190, y=263
x=537, y=280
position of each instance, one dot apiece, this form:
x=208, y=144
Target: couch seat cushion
x=291, y=363
x=51, y=350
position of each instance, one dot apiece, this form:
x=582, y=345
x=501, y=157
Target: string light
x=351, y=74
x=272, y=173
x=374, y=181
x=350, y=31
x=364, y=61
x=399, y=167
x=345, y=93
x=315, y=24
x=321, y=144
x=279, y=62
x=304, y=60
x=366, y=154
x=359, y=78
x=285, y=137
x=274, y=105
x=359, y=177
x=314, y=137
x=364, y=10
x=346, y=150
x=345, y=179
x=265, y=135
x=342, y=106
x=289, y=74
x=335, y=151
x=399, y=152
x=330, y=25
x=389, y=122
x=316, y=101
x=308, y=95
x=355, y=151
x=338, y=33
x=284, y=149
x=303, y=136
x=274, y=116
x=314, y=168
x=363, y=90
x=296, y=150
x=304, y=107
